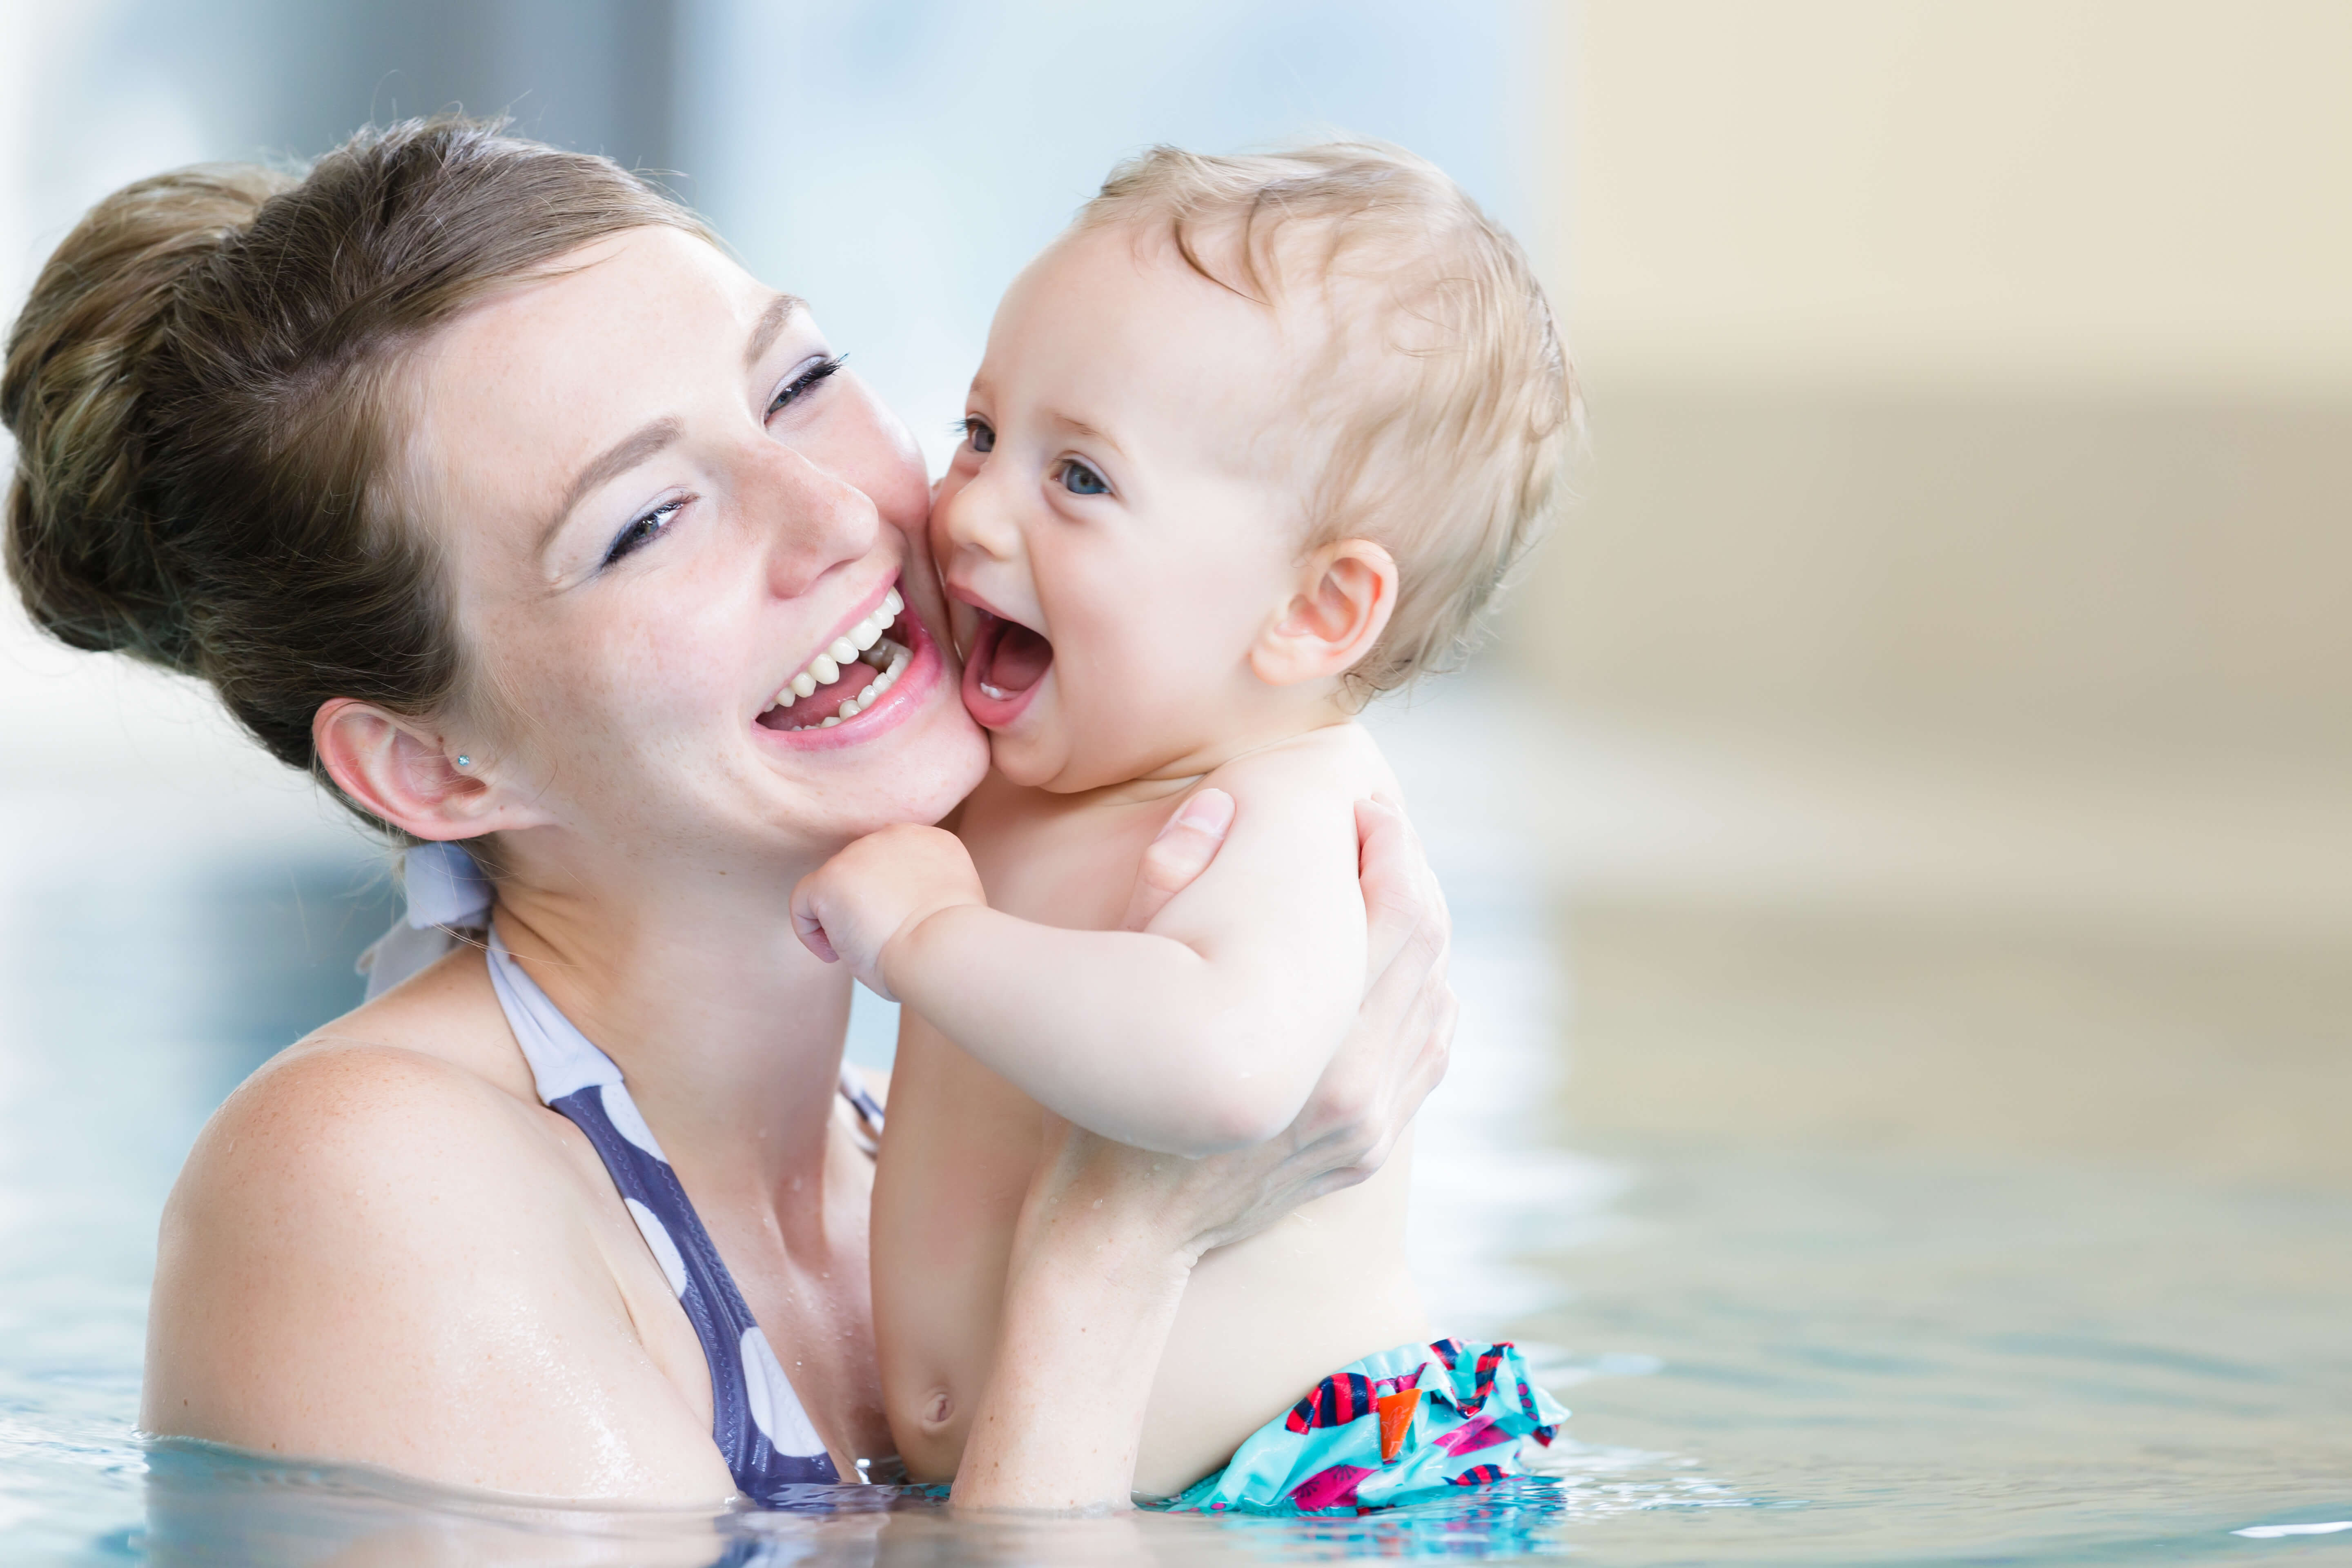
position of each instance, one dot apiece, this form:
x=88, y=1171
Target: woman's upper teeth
x=863, y=641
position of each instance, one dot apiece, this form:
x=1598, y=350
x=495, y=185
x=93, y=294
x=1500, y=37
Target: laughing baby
x=1256, y=439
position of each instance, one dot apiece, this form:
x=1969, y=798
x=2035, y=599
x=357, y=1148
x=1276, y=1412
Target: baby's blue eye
x=1081, y=481
x=982, y=438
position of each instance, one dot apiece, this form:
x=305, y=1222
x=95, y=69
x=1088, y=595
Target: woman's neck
x=728, y=1030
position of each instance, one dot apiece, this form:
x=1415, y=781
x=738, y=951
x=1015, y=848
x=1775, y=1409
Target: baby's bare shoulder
x=1340, y=762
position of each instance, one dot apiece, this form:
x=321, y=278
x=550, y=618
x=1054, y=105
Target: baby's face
x=1124, y=519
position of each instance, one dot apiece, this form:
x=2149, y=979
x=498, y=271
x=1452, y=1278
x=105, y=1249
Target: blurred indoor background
x=1932, y=727
x=1901, y=840
x=1953, y=661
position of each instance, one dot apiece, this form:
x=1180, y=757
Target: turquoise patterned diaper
x=1395, y=1427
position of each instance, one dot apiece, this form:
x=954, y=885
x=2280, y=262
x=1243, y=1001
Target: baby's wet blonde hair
x=1443, y=406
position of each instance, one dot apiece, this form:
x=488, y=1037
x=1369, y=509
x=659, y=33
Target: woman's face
x=663, y=501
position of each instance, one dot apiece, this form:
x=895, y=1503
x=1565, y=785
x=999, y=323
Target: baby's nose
x=971, y=520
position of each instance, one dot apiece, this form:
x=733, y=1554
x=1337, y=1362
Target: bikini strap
x=756, y=1418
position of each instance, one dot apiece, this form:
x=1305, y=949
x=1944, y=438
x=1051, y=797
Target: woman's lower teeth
x=888, y=658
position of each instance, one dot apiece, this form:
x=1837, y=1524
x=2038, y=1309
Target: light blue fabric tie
x=446, y=893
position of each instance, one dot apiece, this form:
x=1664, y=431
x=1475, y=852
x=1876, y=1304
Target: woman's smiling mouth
x=847, y=677
x=862, y=674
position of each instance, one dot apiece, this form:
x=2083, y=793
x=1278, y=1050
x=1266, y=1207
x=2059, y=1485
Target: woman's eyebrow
x=772, y=321
x=615, y=460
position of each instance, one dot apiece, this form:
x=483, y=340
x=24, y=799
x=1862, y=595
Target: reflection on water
x=1795, y=1359
x=1776, y=1353
x=206, y=1506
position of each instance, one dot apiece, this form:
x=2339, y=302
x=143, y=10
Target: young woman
x=477, y=480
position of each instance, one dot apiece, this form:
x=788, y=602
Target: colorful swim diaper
x=1400, y=1427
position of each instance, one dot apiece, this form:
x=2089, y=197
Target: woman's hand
x=1109, y=1234
x=1390, y=1060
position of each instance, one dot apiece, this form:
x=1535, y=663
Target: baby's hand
x=850, y=908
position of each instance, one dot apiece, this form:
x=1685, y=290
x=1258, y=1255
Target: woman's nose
x=807, y=519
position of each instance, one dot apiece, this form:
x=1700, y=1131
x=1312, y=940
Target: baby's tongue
x=1021, y=658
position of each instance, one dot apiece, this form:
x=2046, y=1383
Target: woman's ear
x=406, y=774
x=1346, y=591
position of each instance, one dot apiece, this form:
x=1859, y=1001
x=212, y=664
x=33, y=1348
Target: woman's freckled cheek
x=592, y=685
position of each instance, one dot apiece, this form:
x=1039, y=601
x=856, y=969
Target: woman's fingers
x=1404, y=1033
x=1430, y=1020
x=1403, y=907
x=1428, y=1069
x=1180, y=853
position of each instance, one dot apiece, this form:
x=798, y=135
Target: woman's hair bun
x=203, y=391
x=83, y=541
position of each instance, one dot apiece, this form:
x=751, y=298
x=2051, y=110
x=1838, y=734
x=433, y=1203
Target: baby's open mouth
x=1002, y=672
x=1008, y=658
x=847, y=677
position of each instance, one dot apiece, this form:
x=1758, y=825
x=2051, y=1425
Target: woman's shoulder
x=399, y=1096
x=426, y=1075
x=446, y=1013
x=374, y=1242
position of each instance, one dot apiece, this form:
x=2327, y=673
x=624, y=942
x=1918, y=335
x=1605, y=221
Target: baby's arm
x=1203, y=1031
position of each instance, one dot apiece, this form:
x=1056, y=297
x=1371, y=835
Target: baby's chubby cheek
x=1089, y=733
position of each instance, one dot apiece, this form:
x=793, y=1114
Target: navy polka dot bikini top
x=755, y=1416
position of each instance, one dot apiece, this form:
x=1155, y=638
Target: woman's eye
x=982, y=438
x=641, y=532
x=1081, y=481
x=807, y=381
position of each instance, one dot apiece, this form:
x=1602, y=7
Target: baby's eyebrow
x=1090, y=432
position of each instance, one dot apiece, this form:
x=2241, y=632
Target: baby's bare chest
x=1073, y=868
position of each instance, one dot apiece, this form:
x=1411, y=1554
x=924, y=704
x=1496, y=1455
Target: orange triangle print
x=1396, y=1420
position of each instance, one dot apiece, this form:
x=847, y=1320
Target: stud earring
x=465, y=762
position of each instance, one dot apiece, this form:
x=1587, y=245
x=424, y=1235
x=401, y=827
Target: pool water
x=1775, y=1354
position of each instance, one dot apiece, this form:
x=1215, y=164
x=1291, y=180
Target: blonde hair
x=1444, y=399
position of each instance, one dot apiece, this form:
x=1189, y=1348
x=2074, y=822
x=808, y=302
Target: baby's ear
x=1346, y=592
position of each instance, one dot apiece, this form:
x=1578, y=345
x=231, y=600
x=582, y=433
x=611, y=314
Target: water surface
x=1776, y=1353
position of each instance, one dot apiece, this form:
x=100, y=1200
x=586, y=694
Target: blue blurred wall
x=897, y=163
